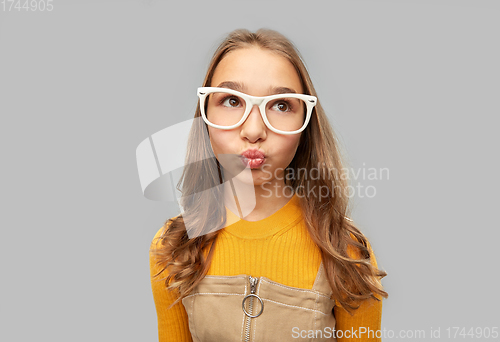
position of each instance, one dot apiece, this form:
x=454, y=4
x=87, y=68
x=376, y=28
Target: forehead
x=257, y=70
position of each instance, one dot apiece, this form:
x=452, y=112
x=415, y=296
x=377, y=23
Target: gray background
x=408, y=85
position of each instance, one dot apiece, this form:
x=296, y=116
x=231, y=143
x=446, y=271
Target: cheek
x=220, y=140
x=289, y=146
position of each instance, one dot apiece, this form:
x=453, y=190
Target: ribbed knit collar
x=288, y=215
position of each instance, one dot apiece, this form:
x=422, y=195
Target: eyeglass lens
x=285, y=113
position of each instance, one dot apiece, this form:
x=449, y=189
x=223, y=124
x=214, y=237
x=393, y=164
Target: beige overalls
x=246, y=308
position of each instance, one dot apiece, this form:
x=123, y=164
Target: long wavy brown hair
x=185, y=260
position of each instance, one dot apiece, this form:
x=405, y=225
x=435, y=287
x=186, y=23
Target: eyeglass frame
x=261, y=102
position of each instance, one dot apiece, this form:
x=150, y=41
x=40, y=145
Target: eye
x=231, y=101
x=282, y=106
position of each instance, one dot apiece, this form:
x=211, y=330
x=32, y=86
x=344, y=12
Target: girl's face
x=258, y=72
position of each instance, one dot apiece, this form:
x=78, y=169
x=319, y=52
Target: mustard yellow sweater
x=255, y=248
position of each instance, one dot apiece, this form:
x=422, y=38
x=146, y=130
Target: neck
x=255, y=202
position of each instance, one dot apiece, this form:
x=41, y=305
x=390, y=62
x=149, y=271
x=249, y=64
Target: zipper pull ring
x=253, y=285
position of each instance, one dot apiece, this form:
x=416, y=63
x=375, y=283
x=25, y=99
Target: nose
x=254, y=127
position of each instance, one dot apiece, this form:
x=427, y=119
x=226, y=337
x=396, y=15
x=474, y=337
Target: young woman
x=264, y=250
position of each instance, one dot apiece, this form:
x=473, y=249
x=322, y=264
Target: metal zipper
x=249, y=313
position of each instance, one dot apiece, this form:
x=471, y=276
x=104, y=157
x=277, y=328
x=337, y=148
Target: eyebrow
x=240, y=87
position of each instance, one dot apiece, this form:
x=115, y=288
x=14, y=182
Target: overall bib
x=246, y=308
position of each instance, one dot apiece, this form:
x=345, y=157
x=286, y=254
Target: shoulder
x=157, y=236
x=156, y=253
x=161, y=231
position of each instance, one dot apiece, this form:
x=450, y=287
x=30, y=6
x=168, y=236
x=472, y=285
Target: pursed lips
x=253, y=158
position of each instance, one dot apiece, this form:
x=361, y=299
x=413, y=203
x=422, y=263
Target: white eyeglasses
x=226, y=108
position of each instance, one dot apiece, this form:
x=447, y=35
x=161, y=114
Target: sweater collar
x=287, y=215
